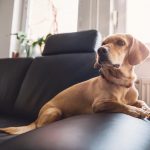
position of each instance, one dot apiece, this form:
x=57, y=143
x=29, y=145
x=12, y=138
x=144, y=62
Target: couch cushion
x=7, y=121
x=12, y=73
x=47, y=76
x=75, y=42
x=112, y=131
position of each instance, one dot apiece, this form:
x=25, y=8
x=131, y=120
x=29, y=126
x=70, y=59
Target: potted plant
x=28, y=45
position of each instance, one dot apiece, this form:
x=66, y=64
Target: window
x=138, y=23
x=51, y=16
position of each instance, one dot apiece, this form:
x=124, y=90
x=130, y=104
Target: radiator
x=143, y=86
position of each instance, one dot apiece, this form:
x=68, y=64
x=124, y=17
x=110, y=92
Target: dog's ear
x=138, y=51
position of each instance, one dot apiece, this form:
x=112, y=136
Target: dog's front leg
x=113, y=106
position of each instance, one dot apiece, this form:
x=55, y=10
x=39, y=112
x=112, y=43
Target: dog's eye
x=120, y=43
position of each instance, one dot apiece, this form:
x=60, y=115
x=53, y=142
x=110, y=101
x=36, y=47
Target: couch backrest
x=62, y=65
x=12, y=73
x=77, y=42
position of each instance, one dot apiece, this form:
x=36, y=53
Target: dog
x=113, y=91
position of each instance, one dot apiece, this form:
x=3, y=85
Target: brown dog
x=113, y=91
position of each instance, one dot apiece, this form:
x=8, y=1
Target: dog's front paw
x=147, y=110
x=139, y=113
x=148, y=117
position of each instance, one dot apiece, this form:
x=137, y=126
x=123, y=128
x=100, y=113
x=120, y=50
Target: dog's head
x=118, y=49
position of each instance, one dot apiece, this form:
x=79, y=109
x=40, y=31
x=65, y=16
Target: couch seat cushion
x=111, y=131
x=7, y=121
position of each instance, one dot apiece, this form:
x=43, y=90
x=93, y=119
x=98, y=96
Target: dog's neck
x=118, y=77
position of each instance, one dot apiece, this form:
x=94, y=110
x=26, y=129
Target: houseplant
x=27, y=45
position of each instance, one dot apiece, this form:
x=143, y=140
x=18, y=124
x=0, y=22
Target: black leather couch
x=26, y=84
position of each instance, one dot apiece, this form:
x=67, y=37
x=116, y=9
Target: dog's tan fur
x=114, y=91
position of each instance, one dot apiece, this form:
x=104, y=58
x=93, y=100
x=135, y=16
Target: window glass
x=138, y=22
x=51, y=16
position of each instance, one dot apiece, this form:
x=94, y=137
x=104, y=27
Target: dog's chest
x=117, y=93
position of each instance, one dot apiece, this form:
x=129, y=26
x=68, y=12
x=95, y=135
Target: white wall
x=6, y=13
x=143, y=69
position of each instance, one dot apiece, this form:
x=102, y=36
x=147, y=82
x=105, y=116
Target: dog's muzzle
x=103, y=59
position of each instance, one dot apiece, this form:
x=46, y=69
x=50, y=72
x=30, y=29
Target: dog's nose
x=102, y=50
x=103, y=54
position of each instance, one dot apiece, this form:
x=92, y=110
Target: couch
x=28, y=83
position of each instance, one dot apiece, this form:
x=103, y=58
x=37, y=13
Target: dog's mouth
x=116, y=65
x=106, y=64
x=109, y=65
x=99, y=65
